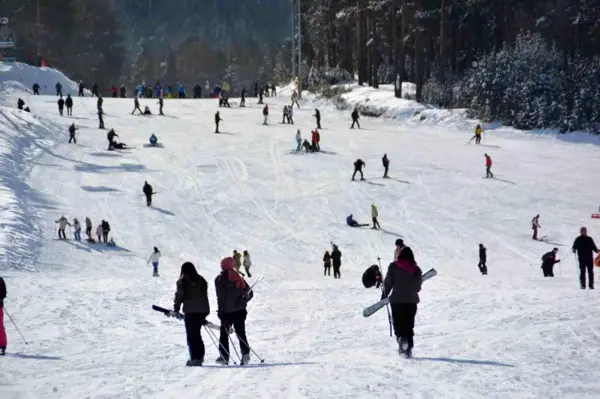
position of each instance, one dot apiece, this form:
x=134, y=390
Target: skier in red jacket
x=488, y=166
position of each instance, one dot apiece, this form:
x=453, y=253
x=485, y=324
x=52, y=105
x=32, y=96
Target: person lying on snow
x=118, y=146
x=353, y=223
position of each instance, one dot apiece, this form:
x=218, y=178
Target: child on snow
x=154, y=257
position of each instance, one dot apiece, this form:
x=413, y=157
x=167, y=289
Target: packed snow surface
x=86, y=309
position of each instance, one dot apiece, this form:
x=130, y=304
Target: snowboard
x=179, y=316
x=369, y=310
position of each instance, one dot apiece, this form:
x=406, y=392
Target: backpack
x=372, y=277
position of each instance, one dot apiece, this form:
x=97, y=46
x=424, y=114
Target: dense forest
x=130, y=41
x=527, y=63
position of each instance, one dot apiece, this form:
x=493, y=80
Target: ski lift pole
x=386, y=306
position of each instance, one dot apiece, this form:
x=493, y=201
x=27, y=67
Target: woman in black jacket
x=192, y=294
x=233, y=297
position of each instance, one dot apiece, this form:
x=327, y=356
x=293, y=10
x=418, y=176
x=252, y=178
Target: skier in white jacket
x=99, y=232
x=154, y=260
x=247, y=263
x=62, y=224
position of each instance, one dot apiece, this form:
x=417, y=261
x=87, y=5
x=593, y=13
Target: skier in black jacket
x=336, y=260
x=20, y=104
x=61, y=105
x=217, y=120
x=327, y=263
x=482, y=259
x=192, y=293
x=148, y=191
x=81, y=88
x=69, y=105
x=355, y=118
x=548, y=262
x=105, y=230
x=386, y=165
x=3, y=340
x=584, y=246
x=358, y=165
x=243, y=98
x=232, y=298
x=110, y=136
x=95, y=90
x=136, y=106
x=318, y=118
x=36, y=89
x=72, y=130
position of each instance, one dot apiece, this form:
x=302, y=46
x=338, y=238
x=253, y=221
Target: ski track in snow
x=87, y=309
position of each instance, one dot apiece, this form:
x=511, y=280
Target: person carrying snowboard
x=62, y=225
x=375, y=215
x=136, y=106
x=488, y=167
x=247, y=263
x=336, y=261
x=217, y=120
x=69, y=105
x=482, y=259
x=548, y=262
x=192, y=293
x=3, y=340
x=535, y=225
x=403, y=280
x=327, y=263
x=148, y=191
x=61, y=105
x=478, y=133
x=584, y=246
x=72, y=130
x=358, y=165
x=317, y=116
x=355, y=118
x=386, y=165
x=233, y=295
x=153, y=259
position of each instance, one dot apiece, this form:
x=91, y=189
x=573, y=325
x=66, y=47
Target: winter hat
x=227, y=265
x=399, y=242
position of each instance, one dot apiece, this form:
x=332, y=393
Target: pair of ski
x=369, y=310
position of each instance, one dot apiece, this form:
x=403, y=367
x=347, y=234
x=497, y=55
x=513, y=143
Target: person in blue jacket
x=181, y=91
x=153, y=140
x=158, y=89
x=353, y=223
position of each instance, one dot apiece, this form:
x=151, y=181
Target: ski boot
x=408, y=353
x=155, y=274
x=245, y=359
x=194, y=363
x=3, y=351
x=401, y=345
x=221, y=360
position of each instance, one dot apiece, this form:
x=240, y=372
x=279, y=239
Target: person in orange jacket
x=488, y=167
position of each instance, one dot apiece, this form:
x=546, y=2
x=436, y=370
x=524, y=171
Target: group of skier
x=102, y=230
x=334, y=258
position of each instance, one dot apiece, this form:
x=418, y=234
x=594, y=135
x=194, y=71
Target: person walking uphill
x=548, y=262
x=232, y=298
x=148, y=191
x=192, y=293
x=61, y=105
x=237, y=258
x=69, y=105
x=584, y=246
x=403, y=280
x=355, y=118
x=3, y=340
x=72, y=130
x=488, y=167
x=247, y=262
x=336, y=261
x=62, y=224
x=386, y=166
x=358, y=165
x=153, y=259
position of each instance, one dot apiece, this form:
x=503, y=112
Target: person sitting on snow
x=351, y=222
x=147, y=110
x=153, y=140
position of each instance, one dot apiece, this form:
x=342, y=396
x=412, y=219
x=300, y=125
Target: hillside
x=86, y=309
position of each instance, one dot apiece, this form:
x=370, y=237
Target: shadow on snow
x=99, y=189
x=464, y=361
x=259, y=366
x=35, y=357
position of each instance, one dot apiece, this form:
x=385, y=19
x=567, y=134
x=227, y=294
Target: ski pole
x=17, y=328
x=219, y=346
x=252, y=350
x=234, y=348
x=386, y=306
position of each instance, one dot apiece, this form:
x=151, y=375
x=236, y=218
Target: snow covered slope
x=16, y=76
x=87, y=310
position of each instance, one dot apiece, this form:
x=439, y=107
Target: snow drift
x=21, y=77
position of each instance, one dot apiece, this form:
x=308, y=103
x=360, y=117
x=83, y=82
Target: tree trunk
x=374, y=51
x=395, y=55
x=362, y=76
